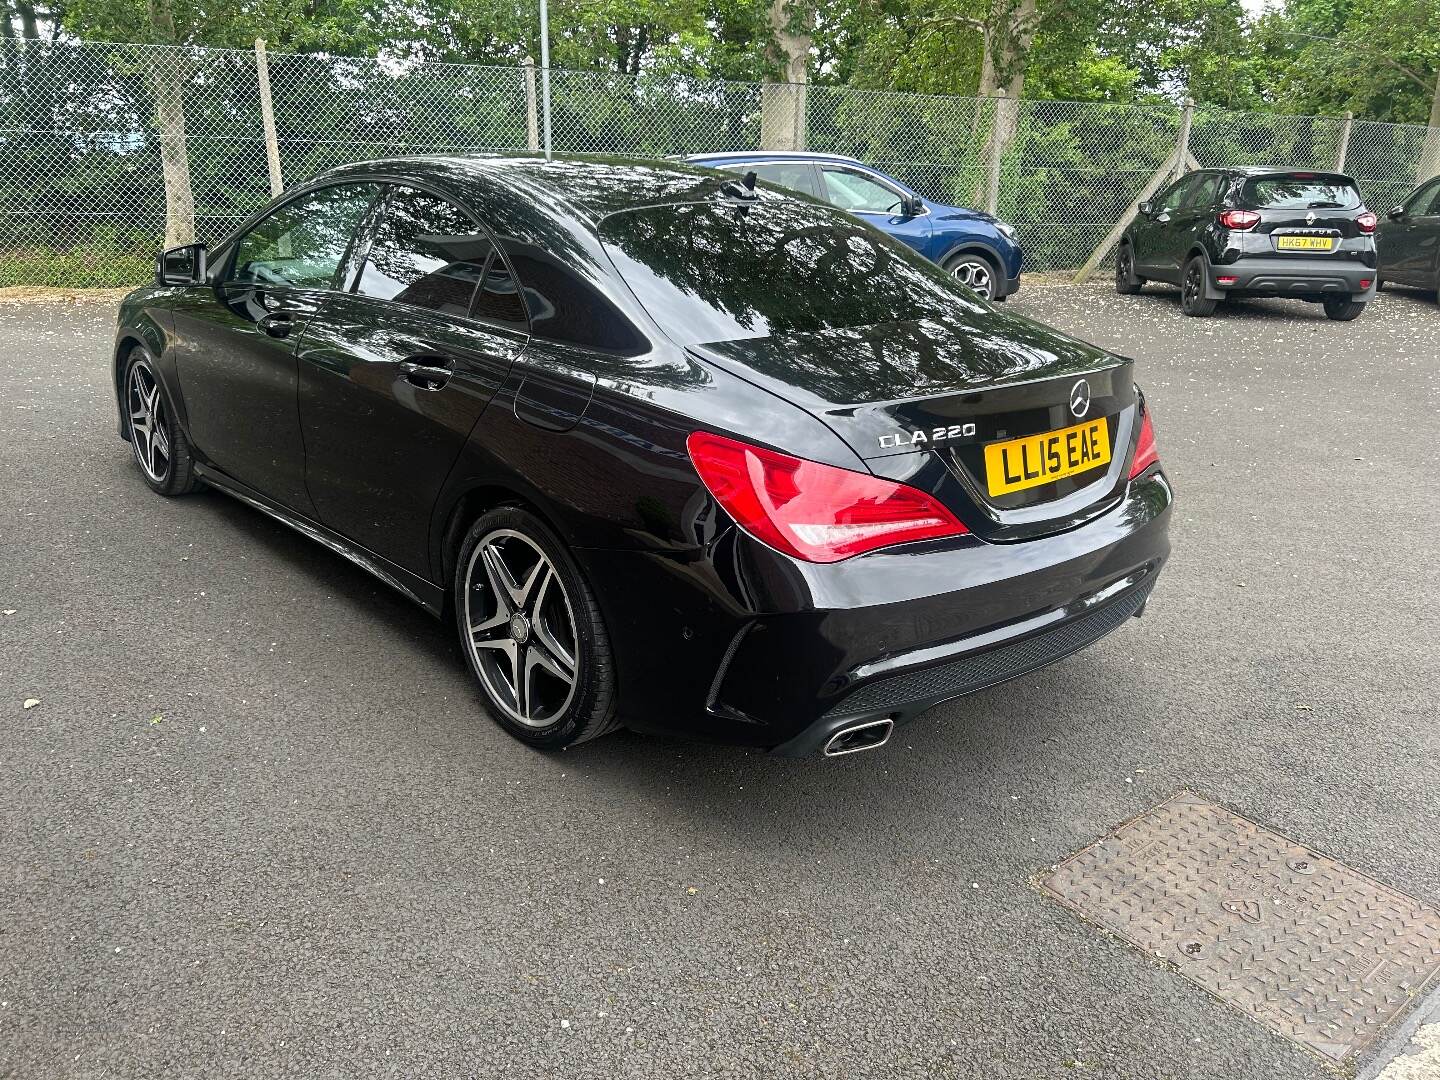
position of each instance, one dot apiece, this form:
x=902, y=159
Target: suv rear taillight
x=1367, y=222
x=814, y=512
x=1146, y=453
x=1239, y=219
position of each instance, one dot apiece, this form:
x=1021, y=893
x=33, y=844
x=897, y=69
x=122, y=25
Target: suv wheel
x=1343, y=309
x=1193, y=301
x=975, y=272
x=1127, y=282
x=532, y=633
x=160, y=447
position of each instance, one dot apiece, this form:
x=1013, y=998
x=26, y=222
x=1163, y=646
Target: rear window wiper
x=1325, y=204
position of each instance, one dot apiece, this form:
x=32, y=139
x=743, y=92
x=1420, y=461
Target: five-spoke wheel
x=532, y=632
x=156, y=439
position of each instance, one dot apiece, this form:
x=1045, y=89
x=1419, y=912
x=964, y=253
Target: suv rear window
x=1300, y=193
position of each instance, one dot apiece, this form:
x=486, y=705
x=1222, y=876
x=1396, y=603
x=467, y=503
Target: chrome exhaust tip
x=870, y=735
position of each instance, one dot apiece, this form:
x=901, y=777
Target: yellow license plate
x=1304, y=243
x=1017, y=464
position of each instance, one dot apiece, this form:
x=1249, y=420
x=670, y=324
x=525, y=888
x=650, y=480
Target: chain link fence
x=94, y=135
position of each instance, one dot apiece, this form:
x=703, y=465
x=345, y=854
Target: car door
x=1407, y=244
x=881, y=204
x=1192, y=214
x=236, y=355
x=1151, y=237
x=396, y=370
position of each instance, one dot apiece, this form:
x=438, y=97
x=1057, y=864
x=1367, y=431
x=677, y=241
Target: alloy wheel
x=149, y=435
x=975, y=275
x=520, y=627
x=1192, y=286
x=1122, y=266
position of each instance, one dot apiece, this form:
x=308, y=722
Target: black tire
x=976, y=273
x=1127, y=282
x=1193, y=301
x=157, y=441
x=1343, y=309
x=521, y=668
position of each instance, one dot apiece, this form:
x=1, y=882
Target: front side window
x=795, y=175
x=303, y=242
x=1205, y=192
x=426, y=252
x=851, y=191
x=1426, y=201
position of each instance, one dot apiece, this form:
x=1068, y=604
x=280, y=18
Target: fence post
x=998, y=124
x=1343, y=150
x=532, y=109
x=267, y=120
x=1182, y=144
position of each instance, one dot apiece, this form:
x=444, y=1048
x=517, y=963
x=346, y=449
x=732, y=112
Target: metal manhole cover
x=1321, y=953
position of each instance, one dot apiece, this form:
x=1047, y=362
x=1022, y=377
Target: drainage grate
x=1321, y=953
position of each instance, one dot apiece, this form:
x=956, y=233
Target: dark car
x=1225, y=233
x=668, y=452
x=1409, y=241
x=980, y=250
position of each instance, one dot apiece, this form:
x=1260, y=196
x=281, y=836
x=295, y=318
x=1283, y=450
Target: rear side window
x=1300, y=192
x=795, y=175
x=565, y=307
x=498, y=300
x=426, y=252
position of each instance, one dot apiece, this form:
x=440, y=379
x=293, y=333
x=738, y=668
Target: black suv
x=1254, y=232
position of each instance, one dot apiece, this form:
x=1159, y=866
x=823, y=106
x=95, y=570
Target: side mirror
x=914, y=206
x=183, y=265
x=1396, y=213
x=1146, y=208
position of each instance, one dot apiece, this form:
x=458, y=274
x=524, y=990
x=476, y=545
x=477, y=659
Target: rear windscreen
x=1301, y=193
x=717, y=271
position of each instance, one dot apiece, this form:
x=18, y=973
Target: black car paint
x=715, y=635
x=1163, y=241
x=1409, y=239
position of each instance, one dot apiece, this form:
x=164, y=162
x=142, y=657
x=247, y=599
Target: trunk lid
x=1301, y=205
x=920, y=402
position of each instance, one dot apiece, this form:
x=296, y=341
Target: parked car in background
x=1253, y=232
x=666, y=451
x=981, y=251
x=1409, y=241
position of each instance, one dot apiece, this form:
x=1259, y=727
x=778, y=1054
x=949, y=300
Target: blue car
x=980, y=250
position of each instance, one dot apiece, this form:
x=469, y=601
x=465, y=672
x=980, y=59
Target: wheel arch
x=975, y=247
x=468, y=507
x=128, y=342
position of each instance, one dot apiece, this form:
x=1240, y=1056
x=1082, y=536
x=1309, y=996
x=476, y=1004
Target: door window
x=1425, y=202
x=426, y=252
x=851, y=191
x=1174, y=197
x=565, y=307
x=1204, y=192
x=795, y=175
x=498, y=300
x=303, y=243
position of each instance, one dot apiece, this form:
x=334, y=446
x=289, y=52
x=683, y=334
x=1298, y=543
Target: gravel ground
x=256, y=825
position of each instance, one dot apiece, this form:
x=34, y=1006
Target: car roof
x=591, y=186
x=774, y=155
x=1271, y=170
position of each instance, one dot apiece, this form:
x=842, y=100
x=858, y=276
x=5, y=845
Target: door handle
x=278, y=324
x=426, y=376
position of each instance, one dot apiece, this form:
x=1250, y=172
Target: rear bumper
x=1299, y=278
x=749, y=647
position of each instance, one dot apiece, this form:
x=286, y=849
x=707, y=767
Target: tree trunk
x=29, y=24
x=782, y=98
x=1430, y=154
x=167, y=77
x=1009, y=31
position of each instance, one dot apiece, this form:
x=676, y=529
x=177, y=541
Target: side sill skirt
x=413, y=587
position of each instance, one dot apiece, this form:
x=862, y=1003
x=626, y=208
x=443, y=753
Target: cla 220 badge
x=915, y=438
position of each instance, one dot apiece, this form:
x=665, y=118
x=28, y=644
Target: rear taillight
x=1145, y=452
x=1367, y=222
x=1239, y=219
x=812, y=511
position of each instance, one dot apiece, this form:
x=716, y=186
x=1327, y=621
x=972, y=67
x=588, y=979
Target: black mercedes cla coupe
x=673, y=450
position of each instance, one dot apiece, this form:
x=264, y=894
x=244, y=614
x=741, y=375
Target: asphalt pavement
x=258, y=825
